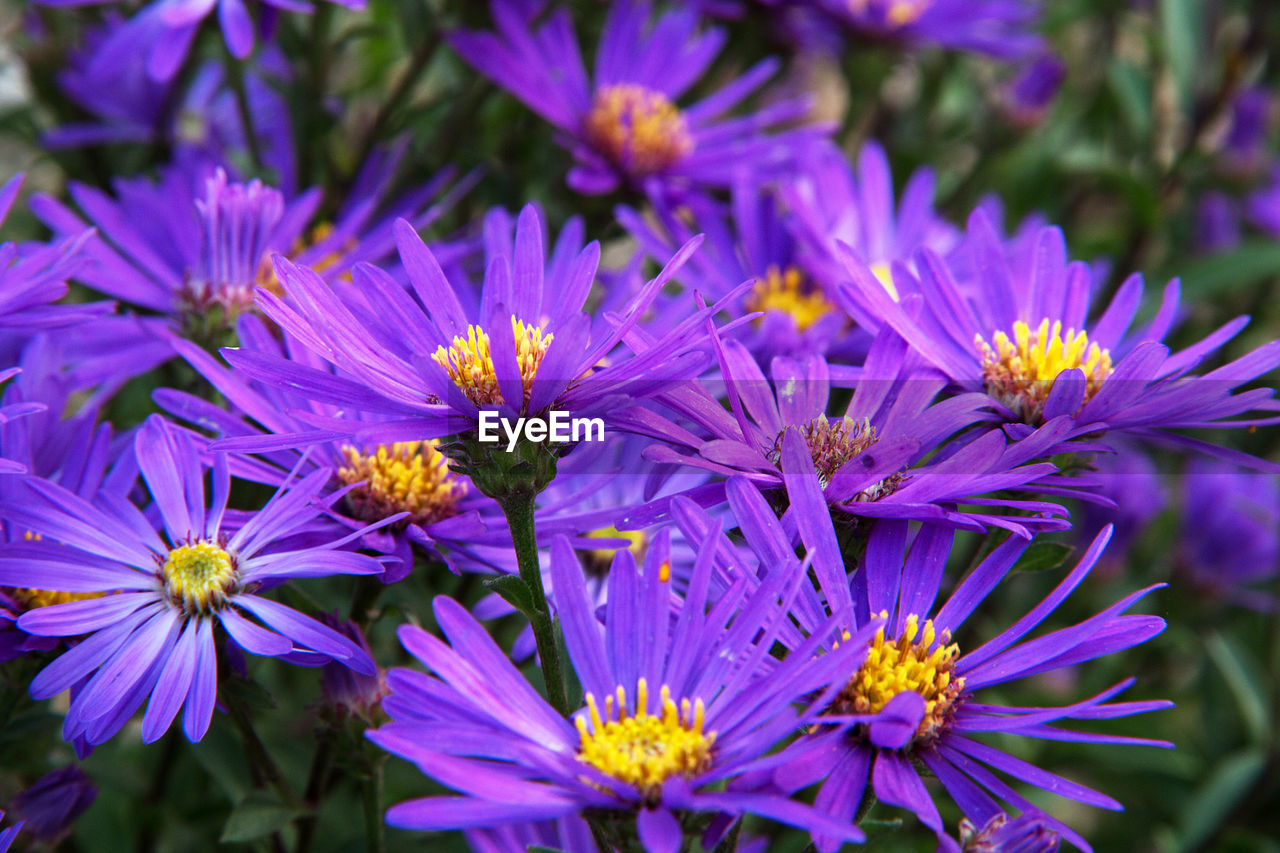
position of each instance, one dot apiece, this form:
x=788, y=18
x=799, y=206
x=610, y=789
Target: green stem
x=729, y=843
x=864, y=808
x=599, y=836
x=264, y=767
x=371, y=792
x=519, y=508
x=317, y=784
x=368, y=590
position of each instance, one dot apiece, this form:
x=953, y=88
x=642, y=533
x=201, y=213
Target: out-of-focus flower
x=1029, y=95
x=52, y=804
x=148, y=634
x=1028, y=343
x=1217, y=222
x=347, y=690
x=624, y=123
x=1230, y=531
x=1262, y=207
x=195, y=245
x=8, y=835
x=1003, y=29
x=1130, y=479
x=916, y=697
x=1029, y=832
x=674, y=709
x=1244, y=151
x=167, y=28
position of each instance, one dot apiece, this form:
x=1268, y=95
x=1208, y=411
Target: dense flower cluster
x=770, y=575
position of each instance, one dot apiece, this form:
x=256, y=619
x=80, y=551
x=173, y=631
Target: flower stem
x=371, y=793
x=317, y=785
x=263, y=766
x=519, y=506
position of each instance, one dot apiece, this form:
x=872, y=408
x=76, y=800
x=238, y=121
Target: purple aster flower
x=1138, y=493
x=1030, y=94
x=1029, y=832
x=1003, y=29
x=673, y=710
x=868, y=461
x=1262, y=207
x=833, y=203
x=569, y=834
x=1230, y=531
x=149, y=633
x=1217, y=222
x=1244, y=151
x=33, y=277
x=429, y=365
x=51, y=805
x=348, y=691
x=171, y=26
x=1026, y=340
x=195, y=245
x=917, y=698
x=441, y=512
x=623, y=123
x=747, y=240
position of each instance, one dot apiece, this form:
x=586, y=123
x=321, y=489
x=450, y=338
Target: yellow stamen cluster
x=1020, y=373
x=321, y=232
x=921, y=660
x=897, y=13
x=30, y=599
x=644, y=750
x=410, y=476
x=199, y=576
x=638, y=129
x=787, y=291
x=470, y=365
x=599, y=559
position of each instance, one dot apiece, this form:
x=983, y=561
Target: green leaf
x=1132, y=90
x=1179, y=21
x=1230, y=782
x=1043, y=556
x=1247, y=264
x=514, y=591
x=256, y=816
x=1244, y=683
x=538, y=848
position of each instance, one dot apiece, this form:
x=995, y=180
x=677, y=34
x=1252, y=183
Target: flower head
x=51, y=805
x=150, y=636
x=628, y=122
x=996, y=28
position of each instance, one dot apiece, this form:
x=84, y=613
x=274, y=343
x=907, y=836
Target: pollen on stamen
x=921, y=660
x=266, y=278
x=30, y=599
x=638, y=129
x=199, y=576
x=598, y=560
x=831, y=444
x=1020, y=373
x=894, y=13
x=788, y=291
x=410, y=476
x=642, y=749
x=469, y=362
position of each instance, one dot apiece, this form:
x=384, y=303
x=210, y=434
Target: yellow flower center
x=409, y=476
x=30, y=599
x=470, y=365
x=787, y=291
x=1020, y=373
x=921, y=661
x=199, y=576
x=599, y=559
x=644, y=750
x=638, y=129
x=896, y=13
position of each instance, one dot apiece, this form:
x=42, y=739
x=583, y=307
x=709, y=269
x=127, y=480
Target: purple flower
x=33, y=277
x=1026, y=340
x=747, y=240
x=832, y=203
x=8, y=835
x=53, y=803
x=674, y=708
x=623, y=123
x=440, y=510
x=1230, y=531
x=1244, y=151
x=427, y=366
x=1029, y=832
x=1029, y=95
x=1262, y=207
x=999, y=28
x=1217, y=222
x=149, y=634
x=171, y=26
x=346, y=690
x=193, y=246
x=885, y=456
x=917, y=696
